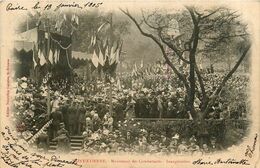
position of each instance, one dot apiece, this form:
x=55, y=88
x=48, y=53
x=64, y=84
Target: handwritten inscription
x=250, y=149
x=14, y=154
x=231, y=161
x=55, y=7
x=13, y=7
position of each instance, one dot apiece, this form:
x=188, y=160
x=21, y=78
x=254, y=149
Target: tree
x=191, y=33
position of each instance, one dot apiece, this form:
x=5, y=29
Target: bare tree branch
x=224, y=37
x=146, y=22
x=178, y=52
x=225, y=79
x=212, y=13
x=181, y=76
x=170, y=45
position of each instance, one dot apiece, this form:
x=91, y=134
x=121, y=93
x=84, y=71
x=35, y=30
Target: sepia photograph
x=170, y=82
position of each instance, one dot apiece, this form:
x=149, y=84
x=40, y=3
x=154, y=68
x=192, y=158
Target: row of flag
x=40, y=56
x=149, y=70
x=101, y=59
x=106, y=52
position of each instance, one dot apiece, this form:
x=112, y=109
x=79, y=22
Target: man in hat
x=214, y=146
x=182, y=148
x=64, y=109
x=62, y=130
x=43, y=141
x=171, y=111
x=129, y=138
x=181, y=109
x=154, y=113
x=57, y=118
x=63, y=143
x=205, y=149
x=96, y=122
x=63, y=140
x=164, y=142
x=72, y=118
x=141, y=106
x=193, y=148
x=101, y=108
x=174, y=143
x=81, y=119
x=202, y=133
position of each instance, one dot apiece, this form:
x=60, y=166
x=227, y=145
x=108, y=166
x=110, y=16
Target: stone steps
x=75, y=144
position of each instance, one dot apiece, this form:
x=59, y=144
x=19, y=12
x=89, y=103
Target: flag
x=112, y=58
x=105, y=43
x=56, y=56
x=73, y=18
x=93, y=40
x=53, y=55
x=135, y=67
x=106, y=54
x=101, y=58
x=118, y=84
x=117, y=56
x=134, y=72
x=50, y=56
x=95, y=59
x=42, y=58
x=101, y=26
x=142, y=63
x=118, y=53
x=77, y=20
x=35, y=56
x=34, y=61
x=112, y=49
x=56, y=26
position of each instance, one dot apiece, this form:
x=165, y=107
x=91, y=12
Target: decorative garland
x=64, y=48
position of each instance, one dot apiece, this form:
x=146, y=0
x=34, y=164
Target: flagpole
x=27, y=23
x=110, y=88
x=48, y=85
x=110, y=99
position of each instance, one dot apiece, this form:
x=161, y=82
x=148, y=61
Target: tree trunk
x=192, y=79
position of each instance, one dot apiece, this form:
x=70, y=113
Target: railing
x=35, y=136
x=237, y=123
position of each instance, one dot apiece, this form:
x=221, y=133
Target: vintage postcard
x=158, y=84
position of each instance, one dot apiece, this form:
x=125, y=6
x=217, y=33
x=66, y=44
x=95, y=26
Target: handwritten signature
x=230, y=161
x=250, y=149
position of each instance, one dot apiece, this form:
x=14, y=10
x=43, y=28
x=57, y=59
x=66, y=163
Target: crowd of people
x=97, y=110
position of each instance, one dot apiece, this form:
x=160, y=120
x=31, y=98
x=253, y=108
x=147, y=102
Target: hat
x=213, y=138
x=196, y=105
x=176, y=136
x=193, y=139
x=62, y=124
x=24, y=78
x=24, y=85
